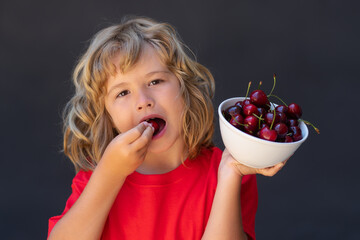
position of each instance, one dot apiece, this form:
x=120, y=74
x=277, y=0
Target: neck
x=159, y=163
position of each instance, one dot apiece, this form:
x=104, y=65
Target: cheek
x=177, y=104
x=119, y=118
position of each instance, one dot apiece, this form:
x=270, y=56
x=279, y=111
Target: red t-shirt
x=174, y=205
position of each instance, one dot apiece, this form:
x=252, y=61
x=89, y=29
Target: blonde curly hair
x=88, y=128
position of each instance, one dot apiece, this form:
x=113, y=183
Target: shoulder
x=209, y=157
x=212, y=156
x=213, y=153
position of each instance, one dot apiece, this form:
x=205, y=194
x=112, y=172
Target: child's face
x=147, y=90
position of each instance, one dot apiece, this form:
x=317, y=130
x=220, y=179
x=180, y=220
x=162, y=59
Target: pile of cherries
x=260, y=118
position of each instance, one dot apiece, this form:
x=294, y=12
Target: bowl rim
x=253, y=138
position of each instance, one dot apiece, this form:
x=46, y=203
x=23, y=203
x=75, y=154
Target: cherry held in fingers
x=155, y=125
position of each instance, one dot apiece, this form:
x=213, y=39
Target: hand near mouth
x=127, y=151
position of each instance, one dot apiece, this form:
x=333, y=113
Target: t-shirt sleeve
x=249, y=204
x=78, y=184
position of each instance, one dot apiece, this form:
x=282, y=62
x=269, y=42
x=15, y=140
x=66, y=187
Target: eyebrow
x=147, y=75
x=116, y=86
x=155, y=72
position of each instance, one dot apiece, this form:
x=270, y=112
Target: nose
x=144, y=101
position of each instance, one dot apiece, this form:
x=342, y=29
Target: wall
x=312, y=46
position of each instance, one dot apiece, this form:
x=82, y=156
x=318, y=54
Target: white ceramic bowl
x=252, y=151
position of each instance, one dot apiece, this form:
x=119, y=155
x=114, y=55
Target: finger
x=134, y=133
x=284, y=162
x=144, y=139
x=271, y=171
x=226, y=151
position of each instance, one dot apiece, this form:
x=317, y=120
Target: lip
x=160, y=134
x=152, y=116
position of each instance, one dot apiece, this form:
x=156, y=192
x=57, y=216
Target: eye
x=123, y=93
x=154, y=82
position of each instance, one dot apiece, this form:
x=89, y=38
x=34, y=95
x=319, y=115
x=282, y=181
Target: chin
x=158, y=148
x=164, y=145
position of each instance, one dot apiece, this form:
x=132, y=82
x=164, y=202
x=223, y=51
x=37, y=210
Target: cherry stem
x=273, y=85
x=310, y=124
x=247, y=92
x=241, y=124
x=272, y=123
x=260, y=83
x=278, y=99
x=258, y=117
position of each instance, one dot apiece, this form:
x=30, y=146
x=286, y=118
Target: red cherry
x=281, y=108
x=245, y=102
x=267, y=134
x=237, y=121
x=269, y=118
x=251, y=124
x=239, y=104
x=294, y=111
x=231, y=111
x=296, y=133
x=282, y=117
x=262, y=111
x=289, y=139
x=155, y=125
x=259, y=98
x=292, y=122
x=267, y=107
x=281, y=129
x=249, y=109
x=234, y=110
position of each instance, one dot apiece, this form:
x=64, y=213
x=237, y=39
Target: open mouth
x=157, y=123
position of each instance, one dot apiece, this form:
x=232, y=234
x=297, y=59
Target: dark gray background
x=313, y=46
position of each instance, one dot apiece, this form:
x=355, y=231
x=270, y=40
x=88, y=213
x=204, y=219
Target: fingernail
x=147, y=124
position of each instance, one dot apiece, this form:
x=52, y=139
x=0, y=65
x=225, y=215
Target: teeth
x=150, y=119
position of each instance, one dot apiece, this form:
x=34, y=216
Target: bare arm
x=87, y=217
x=225, y=221
x=225, y=218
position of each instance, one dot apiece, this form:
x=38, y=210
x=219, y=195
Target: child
x=139, y=132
